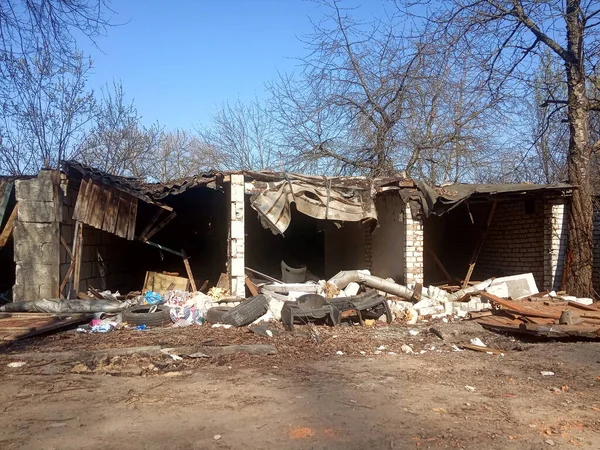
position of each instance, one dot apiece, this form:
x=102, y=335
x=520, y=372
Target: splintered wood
x=543, y=317
x=106, y=208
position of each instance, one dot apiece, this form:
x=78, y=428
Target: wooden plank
x=109, y=223
x=98, y=209
x=148, y=234
x=4, y=200
x=123, y=215
x=251, y=286
x=91, y=203
x=65, y=280
x=151, y=224
x=38, y=325
x=66, y=246
x=479, y=245
x=78, y=244
x=519, y=308
x=80, y=202
x=132, y=219
x=188, y=269
x=8, y=228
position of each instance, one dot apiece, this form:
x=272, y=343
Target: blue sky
x=179, y=60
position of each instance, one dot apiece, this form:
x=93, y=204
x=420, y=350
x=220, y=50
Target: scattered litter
x=413, y=332
x=381, y=347
x=217, y=437
x=16, y=364
x=406, y=348
x=478, y=342
x=339, y=352
x=470, y=388
x=221, y=325
x=392, y=353
x=546, y=373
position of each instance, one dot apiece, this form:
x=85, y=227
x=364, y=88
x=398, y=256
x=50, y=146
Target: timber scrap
x=543, y=317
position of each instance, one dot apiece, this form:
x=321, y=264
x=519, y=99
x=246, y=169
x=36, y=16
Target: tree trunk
x=577, y=278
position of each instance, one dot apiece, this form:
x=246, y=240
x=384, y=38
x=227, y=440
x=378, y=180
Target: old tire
x=141, y=315
x=246, y=312
x=215, y=314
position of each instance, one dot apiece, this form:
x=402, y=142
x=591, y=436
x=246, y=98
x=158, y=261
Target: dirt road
x=307, y=396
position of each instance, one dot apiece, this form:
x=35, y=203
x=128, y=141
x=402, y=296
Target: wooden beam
x=77, y=251
x=4, y=200
x=8, y=228
x=147, y=234
x=251, y=286
x=66, y=246
x=188, y=269
x=479, y=245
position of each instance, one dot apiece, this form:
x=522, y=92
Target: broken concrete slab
x=519, y=286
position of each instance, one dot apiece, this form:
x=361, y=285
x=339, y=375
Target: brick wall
x=514, y=242
x=555, y=241
x=413, y=246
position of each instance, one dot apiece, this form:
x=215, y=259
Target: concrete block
x=32, y=239
x=39, y=189
x=36, y=211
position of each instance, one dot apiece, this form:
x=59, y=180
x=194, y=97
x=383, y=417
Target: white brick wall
x=555, y=242
x=236, y=261
x=413, y=247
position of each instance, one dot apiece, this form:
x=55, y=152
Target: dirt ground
x=307, y=396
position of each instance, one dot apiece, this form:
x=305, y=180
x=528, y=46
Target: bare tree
x=45, y=117
x=371, y=99
x=241, y=136
x=180, y=154
x=504, y=38
x=118, y=142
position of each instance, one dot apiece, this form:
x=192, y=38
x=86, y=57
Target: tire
x=215, y=314
x=246, y=312
x=140, y=315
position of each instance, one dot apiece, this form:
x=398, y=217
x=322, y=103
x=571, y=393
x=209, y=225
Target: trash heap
x=356, y=297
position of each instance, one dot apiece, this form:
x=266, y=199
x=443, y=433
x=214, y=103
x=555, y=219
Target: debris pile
x=548, y=315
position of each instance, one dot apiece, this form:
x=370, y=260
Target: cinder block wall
x=36, y=237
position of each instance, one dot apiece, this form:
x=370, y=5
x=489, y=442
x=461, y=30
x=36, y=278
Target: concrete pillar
x=555, y=242
x=413, y=247
x=236, y=260
x=37, y=237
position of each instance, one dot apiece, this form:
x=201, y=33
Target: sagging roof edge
x=434, y=200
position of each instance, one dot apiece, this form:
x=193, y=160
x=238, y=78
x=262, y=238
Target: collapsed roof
x=344, y=199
